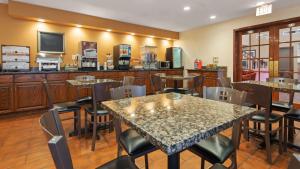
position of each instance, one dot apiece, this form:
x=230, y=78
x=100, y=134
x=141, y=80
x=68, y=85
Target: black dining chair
x=197, y=86
x=289, y=118
x=87, y=100
x=283, y=106
x=58, y=146
x=128, y=80
x=262, y=97
x=99, y=117
x=65, y=107
x=224, y=82
x=134, y=144
x=218, y=148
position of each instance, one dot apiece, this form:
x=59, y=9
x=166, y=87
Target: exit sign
x=264, y=9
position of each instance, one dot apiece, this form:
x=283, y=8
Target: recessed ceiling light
x=260, y=3
x=108, y=30
x=41, y=20
x=78, y=26
x=213, y=17
x=132, y=33
x=186, y=8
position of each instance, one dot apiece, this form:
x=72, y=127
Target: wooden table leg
x=118, y=129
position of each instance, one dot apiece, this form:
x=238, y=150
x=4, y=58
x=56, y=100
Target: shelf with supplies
x=15, y=58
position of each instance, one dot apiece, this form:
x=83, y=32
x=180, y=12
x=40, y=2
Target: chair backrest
x=224, y=82
x=156, y=83
x=127, y=91
x=224, y=94
x=49, y=94
x=282, y=80
x=51, y=124
x=60, y=152
x=257, y=94
x=198, y=81
x=128, y=80
x=101, y=91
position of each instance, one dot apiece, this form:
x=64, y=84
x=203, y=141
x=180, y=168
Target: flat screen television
x=51, y=42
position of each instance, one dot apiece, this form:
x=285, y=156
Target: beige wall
x=217, y=40
x=24, y=32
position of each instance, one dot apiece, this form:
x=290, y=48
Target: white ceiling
x=165, y=14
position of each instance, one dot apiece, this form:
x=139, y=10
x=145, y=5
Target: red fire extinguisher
x=199, y=64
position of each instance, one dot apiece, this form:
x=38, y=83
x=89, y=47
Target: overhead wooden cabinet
x=29, y=92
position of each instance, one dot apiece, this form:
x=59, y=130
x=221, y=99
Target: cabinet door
x=29, y=96
x=6, y=98
x=59, y=91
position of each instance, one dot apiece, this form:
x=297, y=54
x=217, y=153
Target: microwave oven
x=164, y=65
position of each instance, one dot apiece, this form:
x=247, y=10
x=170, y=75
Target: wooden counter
x=24, y=91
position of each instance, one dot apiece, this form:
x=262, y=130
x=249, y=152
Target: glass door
x=255, y=56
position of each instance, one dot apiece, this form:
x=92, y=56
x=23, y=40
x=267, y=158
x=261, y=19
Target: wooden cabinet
x=72, y=92
x=25, y=91
x=6, y=98
x=58, y=86
x=29, y=96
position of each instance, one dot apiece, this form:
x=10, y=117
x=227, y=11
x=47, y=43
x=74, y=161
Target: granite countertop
x=276, y=86
x=89, y=82
x=79, y=71
x=174, y=122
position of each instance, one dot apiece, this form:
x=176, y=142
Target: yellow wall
x=217, y=40
x=23, y=32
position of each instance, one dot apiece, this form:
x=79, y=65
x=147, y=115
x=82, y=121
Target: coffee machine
x=122, y=56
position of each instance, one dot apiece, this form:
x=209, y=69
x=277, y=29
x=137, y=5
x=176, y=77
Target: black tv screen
x=51, y=42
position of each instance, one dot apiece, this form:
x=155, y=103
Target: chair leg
x=202, y=163
x=268, y=143
x=85, y=124
x=280, y=137
x=285, y=133
x=94, y=133
x=246, y=129
x=146, y=161
x=78, y=122
x=233, y=161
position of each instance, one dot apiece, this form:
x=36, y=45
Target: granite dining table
x=276, y=86
x=174, y=122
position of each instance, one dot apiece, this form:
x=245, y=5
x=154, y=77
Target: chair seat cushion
x=215, y=149
x=85, y=100
x=134, y=143
x=66, y=107
x=293, y=114
x=100, y=110
x=123, y=162
x=260, y=116
x=280, y=105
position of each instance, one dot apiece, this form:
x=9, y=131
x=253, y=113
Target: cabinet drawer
x=6, y=78
x=30, y=78
x=57, y=77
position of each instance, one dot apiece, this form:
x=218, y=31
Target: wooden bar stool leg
x=268, y=143
x=280, y=136
x=285, y=133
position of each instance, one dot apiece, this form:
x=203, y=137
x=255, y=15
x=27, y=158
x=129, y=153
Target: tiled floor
x=23, y=146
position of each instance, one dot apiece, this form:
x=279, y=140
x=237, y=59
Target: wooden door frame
x=237, y=69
